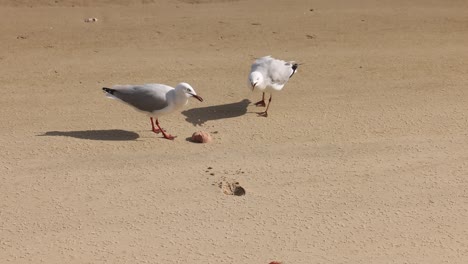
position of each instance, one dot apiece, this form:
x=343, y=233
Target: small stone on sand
x=91, y=19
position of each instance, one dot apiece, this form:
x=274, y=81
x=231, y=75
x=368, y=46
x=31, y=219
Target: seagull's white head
x=256, y=80
x=188, y=91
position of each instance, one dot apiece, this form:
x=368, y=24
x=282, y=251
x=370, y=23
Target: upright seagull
x=154, y=99
x=270, y=75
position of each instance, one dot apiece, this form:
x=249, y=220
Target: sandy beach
x=362, y=159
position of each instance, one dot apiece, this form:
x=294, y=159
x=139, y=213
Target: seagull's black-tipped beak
x=198, y=97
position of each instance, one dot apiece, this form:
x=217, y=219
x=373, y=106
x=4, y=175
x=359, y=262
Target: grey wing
x=148, y=98
x=261, y=64
x=280, y=71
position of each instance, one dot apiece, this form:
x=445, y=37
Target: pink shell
x=201, y=137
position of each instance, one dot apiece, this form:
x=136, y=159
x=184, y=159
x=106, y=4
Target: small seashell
x=91, y=19
x=201, y=137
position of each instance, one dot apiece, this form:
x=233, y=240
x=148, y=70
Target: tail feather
x=294, y=67
x=108, y=90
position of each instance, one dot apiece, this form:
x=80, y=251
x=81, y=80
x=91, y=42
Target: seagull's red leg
x=268, y=106
x=155, y=130
x=164, y=132
x=262, y=102
x=265, y=114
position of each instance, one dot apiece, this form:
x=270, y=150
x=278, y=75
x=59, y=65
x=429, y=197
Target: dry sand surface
x=363, y=158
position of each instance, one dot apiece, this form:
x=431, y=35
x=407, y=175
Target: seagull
x=154, y=99
x=270, y=75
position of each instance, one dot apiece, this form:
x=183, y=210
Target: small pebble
x=91, y=19
x=239, y=191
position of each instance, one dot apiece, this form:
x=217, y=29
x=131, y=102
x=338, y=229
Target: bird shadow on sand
x=198, y=116
x=110, y=135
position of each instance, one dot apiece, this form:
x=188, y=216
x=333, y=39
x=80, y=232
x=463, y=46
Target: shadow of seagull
x=110, y=135
x=198, y=116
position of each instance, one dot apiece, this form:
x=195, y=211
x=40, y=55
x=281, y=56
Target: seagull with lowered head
x=268, y=74
x=154, y=99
